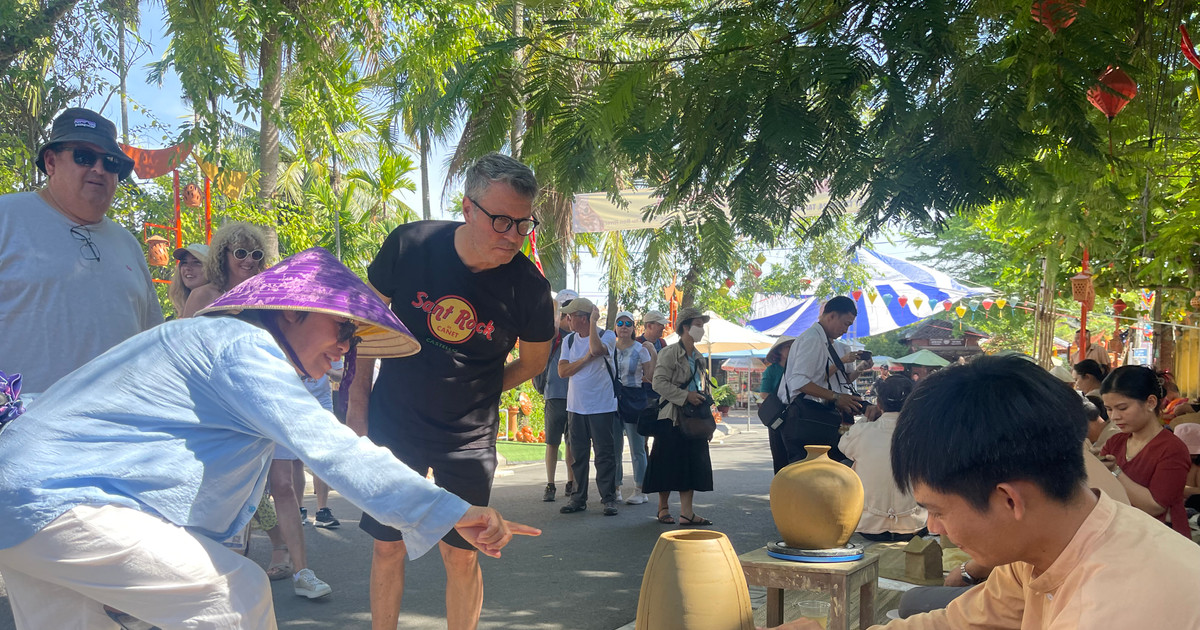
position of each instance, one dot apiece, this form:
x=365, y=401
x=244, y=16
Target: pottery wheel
x=782, y=551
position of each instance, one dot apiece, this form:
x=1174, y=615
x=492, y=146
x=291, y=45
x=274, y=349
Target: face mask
x=697, y=333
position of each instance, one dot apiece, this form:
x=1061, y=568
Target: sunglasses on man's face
x=241, y=254
x=87, y=158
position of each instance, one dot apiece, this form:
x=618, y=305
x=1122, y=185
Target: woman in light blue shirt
x=123, y=478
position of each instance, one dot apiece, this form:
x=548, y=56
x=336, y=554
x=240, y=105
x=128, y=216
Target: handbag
x=773, y=411
x=648, y=424
x=696, y=421
x=631, y=401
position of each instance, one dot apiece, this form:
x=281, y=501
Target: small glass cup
x=815, y=610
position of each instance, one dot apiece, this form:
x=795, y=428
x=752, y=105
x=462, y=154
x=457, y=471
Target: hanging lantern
x=192, y=196
x=987, y=304
x=871, y=295
x=1113, y=93
x=961, y=310
x=1081, y=286
x=728, y=283
x=947, y=305
x=904, y=301
x=918, y=302
x=158, y=251
x=1056, y=14
x=760, y=259
x=724, y=291
x=857, y=293
x=887, y=298
x=1001, y=302
x=1195, y=302
x=974, y=304
x=754, y=269
x=1119, y=306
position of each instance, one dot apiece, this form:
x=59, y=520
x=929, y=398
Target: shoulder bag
x=696, y=421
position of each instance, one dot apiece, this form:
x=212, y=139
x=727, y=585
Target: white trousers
x=62, y=577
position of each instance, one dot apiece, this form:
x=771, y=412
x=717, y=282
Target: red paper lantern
x=987, y=305
x=947, y=305
x=1119, y=306
x=1056, y=14
x=857, y=293
x=755, y=270
x=728, y=283
x=1113, y=93
x=903, y=300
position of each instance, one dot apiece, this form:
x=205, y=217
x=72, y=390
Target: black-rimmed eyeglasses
x=88, y=247
x=503, y=223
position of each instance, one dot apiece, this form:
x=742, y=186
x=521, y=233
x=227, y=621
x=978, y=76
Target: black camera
x=864, y=355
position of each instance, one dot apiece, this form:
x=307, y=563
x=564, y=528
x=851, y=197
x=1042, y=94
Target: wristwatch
x=1116, y=472
x=967, y=577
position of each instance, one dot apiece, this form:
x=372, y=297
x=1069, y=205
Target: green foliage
x=724, y=396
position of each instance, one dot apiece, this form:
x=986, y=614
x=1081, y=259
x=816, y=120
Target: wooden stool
x=839, y=579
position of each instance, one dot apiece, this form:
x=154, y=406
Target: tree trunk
x=1164, y=338
x=517, y=132
x=424, y=140
x=688, y=287
x=271, y=64
x=610, y=320
x=123, y=70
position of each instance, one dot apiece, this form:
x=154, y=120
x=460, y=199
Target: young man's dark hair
x=891, y=392
x=840, y=304
x=968, y=428
x=1090, y=367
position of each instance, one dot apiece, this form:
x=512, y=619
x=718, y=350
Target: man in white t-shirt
x=73, y=283
x=591, y=404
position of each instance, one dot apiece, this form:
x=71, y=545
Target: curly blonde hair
x=231, y=236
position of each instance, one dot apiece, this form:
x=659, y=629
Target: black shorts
x=467, y=473
x=556, y=420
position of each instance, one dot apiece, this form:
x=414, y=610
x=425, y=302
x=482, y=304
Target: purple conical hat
x=313, y=280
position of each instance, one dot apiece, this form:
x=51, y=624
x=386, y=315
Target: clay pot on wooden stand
x=693, y=581
x=816, y=502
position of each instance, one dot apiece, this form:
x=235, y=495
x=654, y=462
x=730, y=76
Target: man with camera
x=816, y=385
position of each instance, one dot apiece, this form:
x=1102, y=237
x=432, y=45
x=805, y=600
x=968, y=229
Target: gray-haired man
x=468, y=297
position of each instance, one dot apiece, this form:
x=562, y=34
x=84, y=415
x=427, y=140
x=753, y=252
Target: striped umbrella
x=917, y=291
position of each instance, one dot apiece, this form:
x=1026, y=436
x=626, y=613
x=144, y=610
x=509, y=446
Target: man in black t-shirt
x=468, y=296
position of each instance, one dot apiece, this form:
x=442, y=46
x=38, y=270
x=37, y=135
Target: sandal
x=282, y=569
x=664, y=516
x=694, y=521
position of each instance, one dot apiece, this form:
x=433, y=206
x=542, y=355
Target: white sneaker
x=307, y=584
x=638, y=498
x=619, y=497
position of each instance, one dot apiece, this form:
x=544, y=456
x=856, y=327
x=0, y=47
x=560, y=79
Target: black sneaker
x=570, y=489
x=573, y=507
x=548, y=495
x=325, y=519
x=610, y=508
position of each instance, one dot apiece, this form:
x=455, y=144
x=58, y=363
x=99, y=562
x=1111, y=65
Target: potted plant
x=725, y=397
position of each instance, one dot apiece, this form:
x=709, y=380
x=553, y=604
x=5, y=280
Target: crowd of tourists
x=176, y=432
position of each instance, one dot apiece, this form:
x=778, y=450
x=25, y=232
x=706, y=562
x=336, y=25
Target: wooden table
x=839, y=579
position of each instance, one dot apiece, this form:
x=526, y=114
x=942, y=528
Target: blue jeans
x=637, y=449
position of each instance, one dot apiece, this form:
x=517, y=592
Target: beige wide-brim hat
x=777, y=348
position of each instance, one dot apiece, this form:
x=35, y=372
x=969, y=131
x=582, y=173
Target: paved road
x=583, y=573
